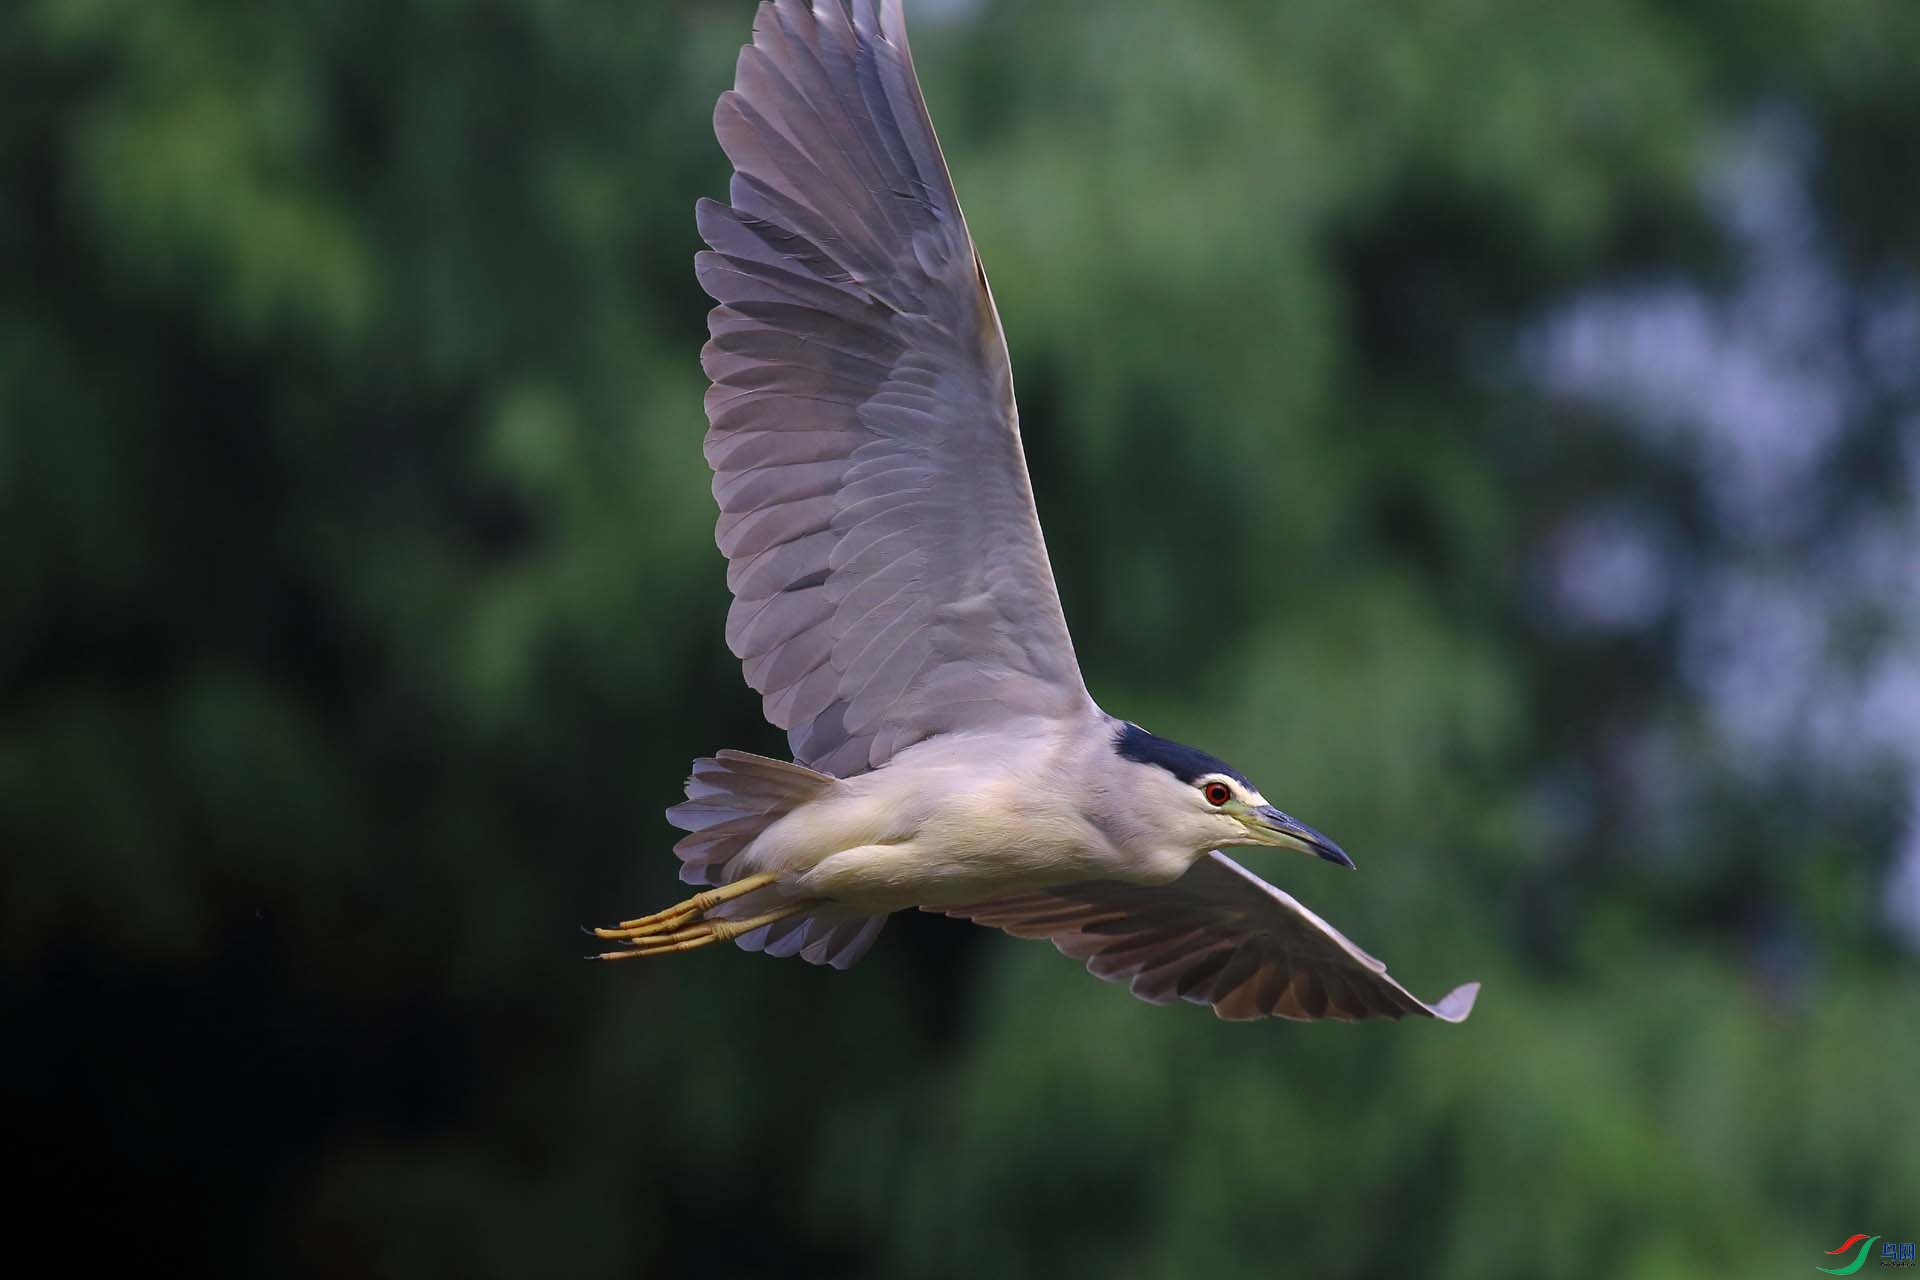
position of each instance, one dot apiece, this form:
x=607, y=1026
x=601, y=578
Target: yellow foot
x=673, y=917
x=683, y=927
x=699, y=935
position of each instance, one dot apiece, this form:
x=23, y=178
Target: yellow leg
x=672, y=917
x=703, y=934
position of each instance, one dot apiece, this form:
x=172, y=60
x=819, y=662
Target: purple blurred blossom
x=1755, y=391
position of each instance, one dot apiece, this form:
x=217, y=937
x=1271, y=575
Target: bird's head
x=1199, y=802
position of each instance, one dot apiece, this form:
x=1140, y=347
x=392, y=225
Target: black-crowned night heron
x=894, y=606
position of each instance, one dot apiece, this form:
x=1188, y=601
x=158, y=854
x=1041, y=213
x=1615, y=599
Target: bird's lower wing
x=1219, y=936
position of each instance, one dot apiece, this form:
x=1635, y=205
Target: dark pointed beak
x=1277, y=828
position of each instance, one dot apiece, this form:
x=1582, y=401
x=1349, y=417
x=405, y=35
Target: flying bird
x=895, y=608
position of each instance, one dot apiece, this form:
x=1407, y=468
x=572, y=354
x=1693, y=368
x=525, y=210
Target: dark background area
x=1495, y=427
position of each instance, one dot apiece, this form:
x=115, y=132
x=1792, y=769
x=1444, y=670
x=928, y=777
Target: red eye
x=1216, y=793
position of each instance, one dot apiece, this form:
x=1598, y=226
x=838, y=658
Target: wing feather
x=1219, y=936
x=889, y=574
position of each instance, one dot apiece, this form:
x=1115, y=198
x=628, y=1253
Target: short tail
x=731, y=799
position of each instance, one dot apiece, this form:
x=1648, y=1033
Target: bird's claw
x=682, y=927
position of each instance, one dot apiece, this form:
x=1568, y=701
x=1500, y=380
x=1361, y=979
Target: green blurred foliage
x=361, y=615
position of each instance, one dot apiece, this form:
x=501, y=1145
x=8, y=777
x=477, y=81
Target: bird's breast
x=1010, y=837
x=943, y=833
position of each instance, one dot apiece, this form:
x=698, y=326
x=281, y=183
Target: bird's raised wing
x=889, y=578
x=1219, y=935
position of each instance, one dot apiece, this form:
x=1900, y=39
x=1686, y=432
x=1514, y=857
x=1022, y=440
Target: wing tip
x=1457, y=1003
